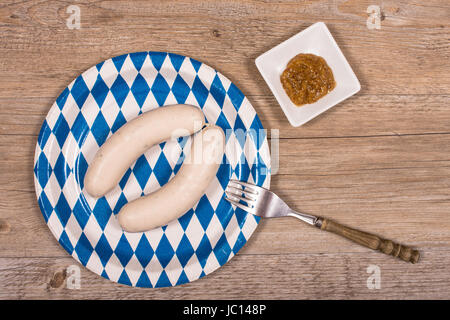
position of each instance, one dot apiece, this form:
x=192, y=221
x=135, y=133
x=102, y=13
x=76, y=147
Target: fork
x=264, y=203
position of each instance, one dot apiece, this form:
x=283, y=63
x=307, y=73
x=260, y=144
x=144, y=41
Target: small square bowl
x=317, y=40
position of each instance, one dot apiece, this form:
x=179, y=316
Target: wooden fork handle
x=369, y=240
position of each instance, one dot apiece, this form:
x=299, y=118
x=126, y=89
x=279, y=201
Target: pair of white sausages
x=181, y=193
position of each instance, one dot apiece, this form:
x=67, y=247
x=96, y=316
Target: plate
x=93, y=107
x=317, y=40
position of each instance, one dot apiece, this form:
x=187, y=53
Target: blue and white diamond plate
x=92, y=108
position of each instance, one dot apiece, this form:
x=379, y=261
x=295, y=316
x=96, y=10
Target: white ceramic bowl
x=317, y=40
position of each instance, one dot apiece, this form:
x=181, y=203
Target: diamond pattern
x=42, y=170
x=79, y=91
x=162, y=170
x=60, y=130
x=164, y=251
x=99, y=91
x=79, y=129
x=140, y=89
x=222, y=250
x=100, y=129
x=84, y=249
x=200, y=91
x=63, y=210
x=61, y=170
x=95, y=105
x=180, y=89
x=102, y=212
x=160, y=89
x=103, y=250
x=81, y=213
x=120, y=90
x=142, y=171
x=123, y=251
x=218, y=91
x=144, y=251
x=119, y=61
x=138, y=59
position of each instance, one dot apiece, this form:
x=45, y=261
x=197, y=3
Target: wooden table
x=379, y=161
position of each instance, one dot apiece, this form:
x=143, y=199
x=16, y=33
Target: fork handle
x=369, y=240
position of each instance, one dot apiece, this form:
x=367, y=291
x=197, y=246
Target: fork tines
x=245, y=192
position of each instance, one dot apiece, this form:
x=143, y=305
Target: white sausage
x=119, y=152
x=183, y=191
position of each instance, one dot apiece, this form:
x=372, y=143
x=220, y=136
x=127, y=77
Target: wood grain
x=378, y=161
x=273, y=276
